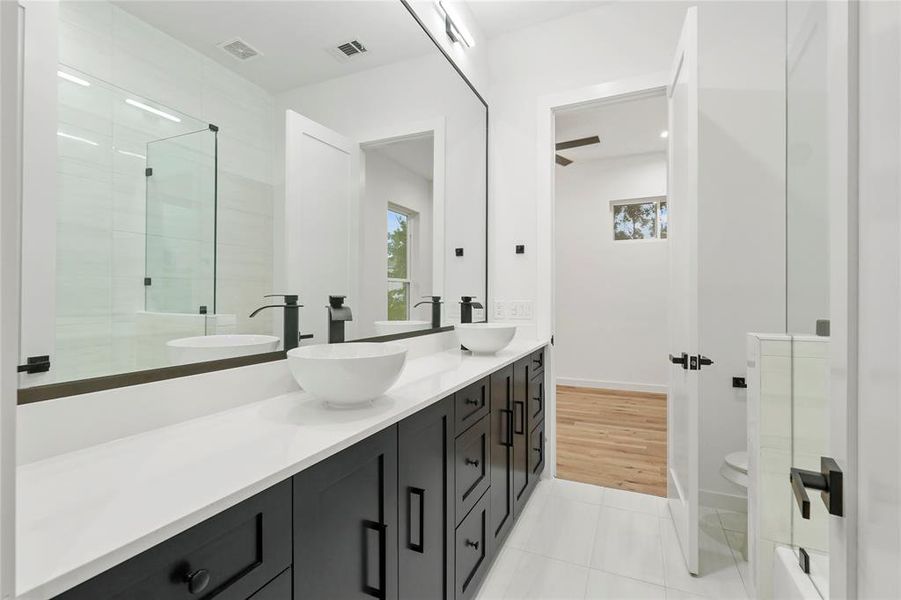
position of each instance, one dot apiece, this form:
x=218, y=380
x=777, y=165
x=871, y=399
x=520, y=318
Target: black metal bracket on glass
x=419, y=493
x=739, y=382
x=682, y=359
x=804, y=560
x=376, y=592
x=829, y=482
x=35, y=364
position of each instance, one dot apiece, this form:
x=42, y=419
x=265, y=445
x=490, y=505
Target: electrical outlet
x=514, y=310
x=500, y=310
x=525, y=311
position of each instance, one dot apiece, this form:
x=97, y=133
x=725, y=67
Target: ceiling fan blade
x=579, y=142
x=561, y=160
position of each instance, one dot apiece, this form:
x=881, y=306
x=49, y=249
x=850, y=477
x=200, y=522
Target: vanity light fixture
x=454, y=27
x=150, y=109
x=664, y=134
x=73, y=79
x=76, y=138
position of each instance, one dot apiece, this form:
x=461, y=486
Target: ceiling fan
x=587, y=141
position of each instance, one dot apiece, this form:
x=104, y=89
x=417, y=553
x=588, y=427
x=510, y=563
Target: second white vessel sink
x=485, y=338
x=215, y=347
x=390, y=327
x=347, y=374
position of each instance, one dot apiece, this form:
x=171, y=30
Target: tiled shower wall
x=101, y=223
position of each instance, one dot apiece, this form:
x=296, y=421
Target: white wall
x=611, y=296
x=388, y=181
x=742, y=71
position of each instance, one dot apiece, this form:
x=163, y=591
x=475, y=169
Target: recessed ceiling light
x=664, y=134
x=73, y=78
x=150, y=109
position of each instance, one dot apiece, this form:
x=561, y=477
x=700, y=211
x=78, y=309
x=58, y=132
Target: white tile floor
x=576, y=540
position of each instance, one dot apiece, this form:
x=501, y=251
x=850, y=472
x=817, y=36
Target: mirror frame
x=63, y=389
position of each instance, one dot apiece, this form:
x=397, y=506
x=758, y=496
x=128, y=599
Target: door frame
x=545, y=292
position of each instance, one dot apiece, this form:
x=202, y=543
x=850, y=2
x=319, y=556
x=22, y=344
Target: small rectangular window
x=398, y=265
x=640, y=219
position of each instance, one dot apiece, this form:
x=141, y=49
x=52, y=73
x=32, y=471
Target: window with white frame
x=399, y=262
x=640, y=219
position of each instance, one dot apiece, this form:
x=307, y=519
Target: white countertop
x=81, y=513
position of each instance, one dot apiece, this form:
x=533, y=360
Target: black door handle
x=828, y=481
x=682, y=359
x=375, y=592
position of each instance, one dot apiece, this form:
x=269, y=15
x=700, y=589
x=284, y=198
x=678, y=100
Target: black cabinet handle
x=828, y=481
x=472, y=544
x=472, y=462
x=419, y=494
x=471, y=401
x=375, y=592
x=198, y=580
x=522, y=416
x=507, y=423
x=682, y=359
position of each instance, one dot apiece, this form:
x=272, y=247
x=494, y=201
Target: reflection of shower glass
x=181, y=224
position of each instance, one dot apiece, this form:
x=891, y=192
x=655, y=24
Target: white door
x=321, y=220
x=682, y=190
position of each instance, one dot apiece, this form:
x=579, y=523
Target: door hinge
x=35, y=364
x=804, y=560
x=148, y=172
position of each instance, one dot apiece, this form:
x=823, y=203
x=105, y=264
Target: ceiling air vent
x=348, y=50
x=240, y=49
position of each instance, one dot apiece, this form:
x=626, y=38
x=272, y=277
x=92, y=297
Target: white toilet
x=735, y=468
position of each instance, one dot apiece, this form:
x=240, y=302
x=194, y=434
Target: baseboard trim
x=653, y=388
x=723, y=501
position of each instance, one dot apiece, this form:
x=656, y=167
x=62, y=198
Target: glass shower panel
x=181, y=224
x=807, y=269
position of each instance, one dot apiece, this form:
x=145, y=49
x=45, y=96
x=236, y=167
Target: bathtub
x=791, y=583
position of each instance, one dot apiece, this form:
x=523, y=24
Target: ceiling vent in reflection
x=348, y=50
x=240, y=49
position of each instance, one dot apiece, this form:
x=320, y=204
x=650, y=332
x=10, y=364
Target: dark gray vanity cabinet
x=501, y=451
x=521, y=376
x=345, y=523
x=426, y=510
x=232, y=556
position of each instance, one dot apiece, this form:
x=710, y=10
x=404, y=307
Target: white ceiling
x=293, y=37
x=496, y=17
x=627, y=127
x=416, y=154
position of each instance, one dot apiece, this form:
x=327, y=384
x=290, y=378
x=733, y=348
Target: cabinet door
x=473, y=553
x=521, y=372
x=536, y=398
x=501, y=454
x=345, y=523
x=536, y=454
x=472, y=467
x=425, y=503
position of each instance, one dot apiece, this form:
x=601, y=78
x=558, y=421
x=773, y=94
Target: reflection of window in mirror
x=399, y=263
x=642, y=219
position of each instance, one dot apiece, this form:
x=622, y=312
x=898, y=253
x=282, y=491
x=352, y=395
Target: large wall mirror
x=184, y=161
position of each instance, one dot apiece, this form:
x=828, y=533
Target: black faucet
x=338, y=314
x=466, y=306
x=291, y=321
x=435, y=301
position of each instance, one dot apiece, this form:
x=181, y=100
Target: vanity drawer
x=536, y=399
x=472, y=557
x=538, y=361
x=230, y=556
x=472, y=462
x=470, y=405
x=277, y=589
x=536, y=452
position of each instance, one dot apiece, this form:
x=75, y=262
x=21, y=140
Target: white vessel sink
x=214, y=347
x=347, y=374
x=485, y=338
x=391, y=327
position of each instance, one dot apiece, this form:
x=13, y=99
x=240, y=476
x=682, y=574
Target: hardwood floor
x=612, y=438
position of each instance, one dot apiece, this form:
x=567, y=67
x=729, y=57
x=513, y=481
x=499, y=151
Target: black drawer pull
x=419, y=493
x=522, y=416
x=471, y=401
x=472, y=462
x=376, y=592
x=507, y=423
x=472, y=544
x=198, y=580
